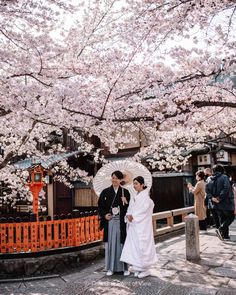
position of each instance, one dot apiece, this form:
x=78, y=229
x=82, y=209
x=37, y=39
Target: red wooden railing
x=46, y=235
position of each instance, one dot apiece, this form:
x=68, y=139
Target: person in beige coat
x=199, y=197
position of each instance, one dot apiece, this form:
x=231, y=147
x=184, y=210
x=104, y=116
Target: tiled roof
x=46, y=161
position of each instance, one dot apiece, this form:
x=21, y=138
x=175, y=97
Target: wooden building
x=169, y=190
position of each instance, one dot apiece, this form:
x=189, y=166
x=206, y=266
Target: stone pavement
x=214, y=274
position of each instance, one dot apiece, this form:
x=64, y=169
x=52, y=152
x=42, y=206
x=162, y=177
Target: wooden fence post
x=3, y=230
x=49, y=225
x=77, y=231
x=56, y=233
x=82, y=228
x=96, y=227
x=10, y=235
x=87, y=227
x=25, y=236
x=70, y=232
x=92, y=227
x=41, y=235
x=63, y=232
x=18, y=237
x=34, y=236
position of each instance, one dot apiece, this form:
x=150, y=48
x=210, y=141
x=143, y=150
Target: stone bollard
x=192, y=237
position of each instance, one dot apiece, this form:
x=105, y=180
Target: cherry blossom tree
x=111, y=69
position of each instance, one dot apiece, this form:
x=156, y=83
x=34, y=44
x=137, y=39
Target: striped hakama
x=113, y=247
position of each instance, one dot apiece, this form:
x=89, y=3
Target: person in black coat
x=219, y=192
x=112, y=207
x=212, y=216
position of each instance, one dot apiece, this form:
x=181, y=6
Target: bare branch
x=200, y=104
x=31, y=75
x=13, y=41
x=230, y=20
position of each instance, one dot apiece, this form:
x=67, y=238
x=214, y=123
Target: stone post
x=192, y=237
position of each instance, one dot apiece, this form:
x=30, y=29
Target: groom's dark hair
x=118, y=174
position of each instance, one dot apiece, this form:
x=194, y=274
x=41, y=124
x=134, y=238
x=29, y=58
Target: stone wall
x=51, y=264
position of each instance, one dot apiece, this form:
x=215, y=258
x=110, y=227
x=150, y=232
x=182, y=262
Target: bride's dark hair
x=140, y=179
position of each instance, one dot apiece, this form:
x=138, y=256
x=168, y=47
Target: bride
x=139, y=248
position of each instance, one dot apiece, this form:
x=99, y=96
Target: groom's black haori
x=112, y=206
x=104, y=206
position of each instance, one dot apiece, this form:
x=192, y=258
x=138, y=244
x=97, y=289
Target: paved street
x=214, y=274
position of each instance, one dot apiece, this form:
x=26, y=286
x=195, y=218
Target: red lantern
x=35, y=184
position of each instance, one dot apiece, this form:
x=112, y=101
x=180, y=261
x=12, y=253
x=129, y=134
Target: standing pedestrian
x=139, y=248
x=212, y=216
x=199, y=199
x=219, y=191
x=112, y=207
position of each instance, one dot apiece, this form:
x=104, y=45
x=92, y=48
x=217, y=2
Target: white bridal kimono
x=139, y=248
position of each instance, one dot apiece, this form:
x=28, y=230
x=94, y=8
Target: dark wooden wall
x=168, y=193
x=62, y=198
